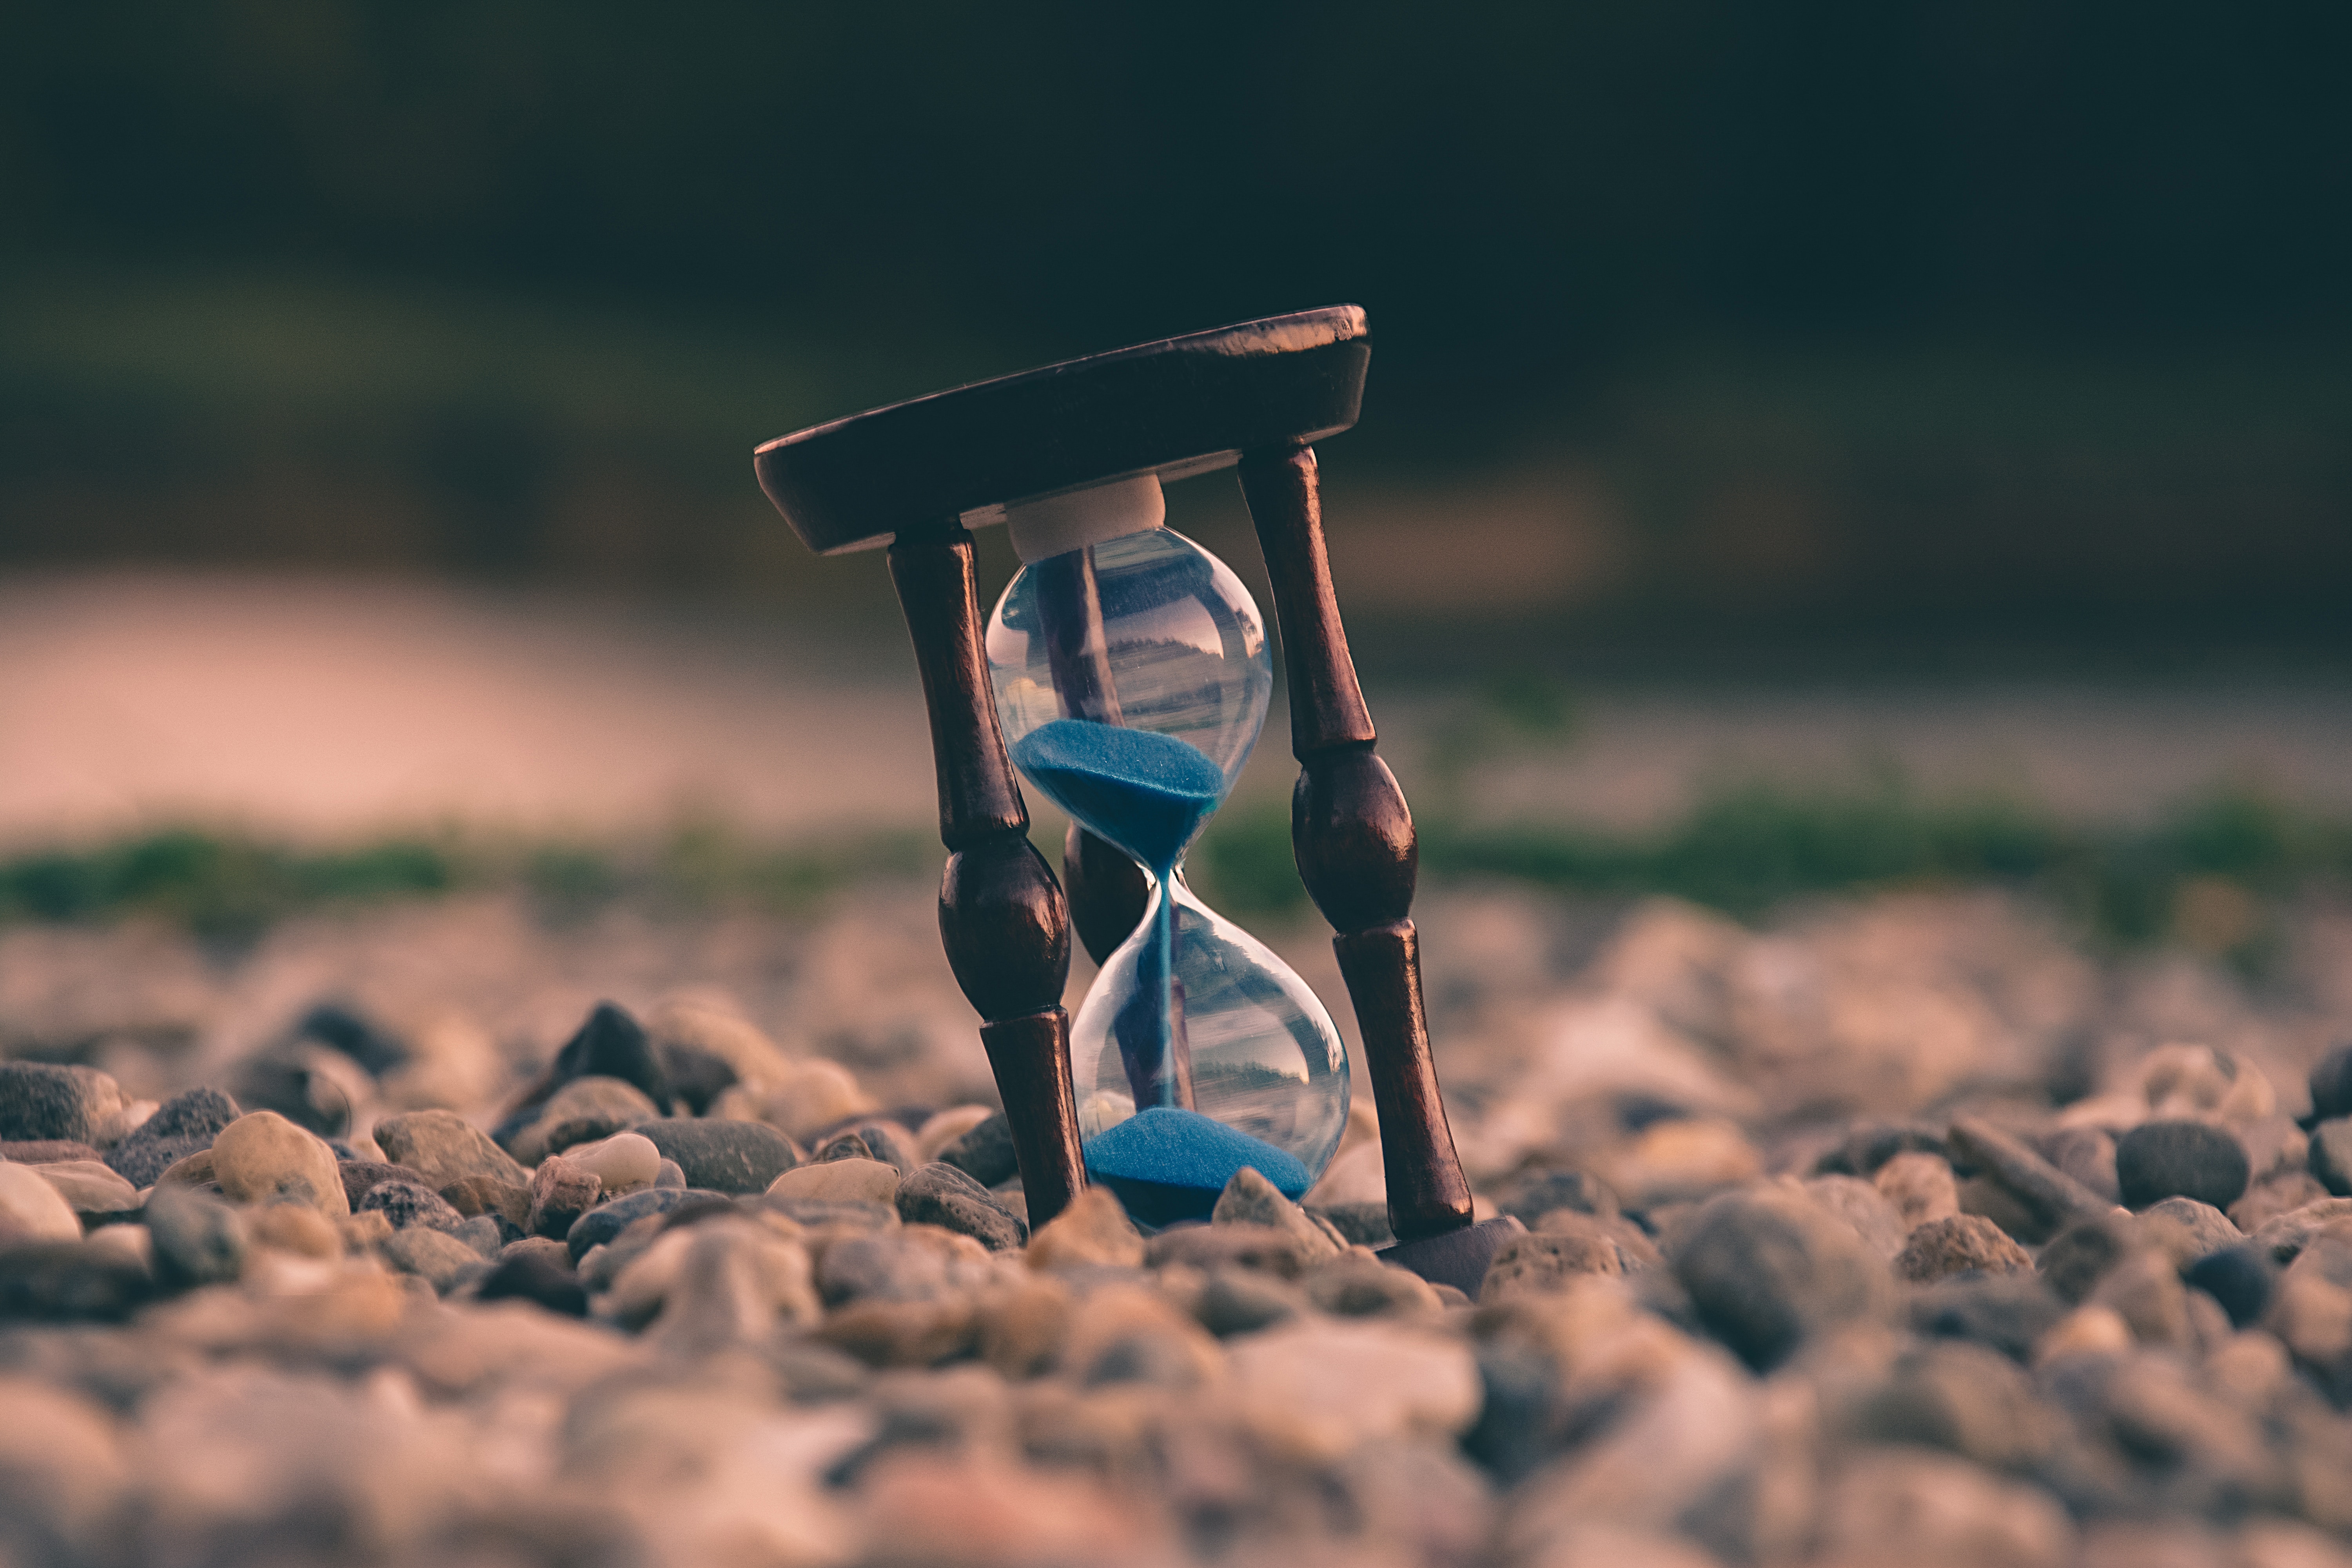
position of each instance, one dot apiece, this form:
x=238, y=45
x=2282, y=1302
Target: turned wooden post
x=1353, y=836
x=1002, y=919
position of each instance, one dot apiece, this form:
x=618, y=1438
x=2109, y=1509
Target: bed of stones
x=1903, y=1229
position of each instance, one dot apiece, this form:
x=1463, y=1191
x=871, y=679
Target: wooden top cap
x=1176, y=407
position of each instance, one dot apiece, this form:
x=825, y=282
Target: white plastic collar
x=1053, y=525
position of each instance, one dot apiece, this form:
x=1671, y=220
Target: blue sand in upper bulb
x=1145, y=792
x=1168, y=1164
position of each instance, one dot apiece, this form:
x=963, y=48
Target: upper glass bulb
x=1132, y=677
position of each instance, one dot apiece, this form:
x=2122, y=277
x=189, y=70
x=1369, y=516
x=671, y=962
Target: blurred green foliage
x=1747, y=850
x=2205, y=873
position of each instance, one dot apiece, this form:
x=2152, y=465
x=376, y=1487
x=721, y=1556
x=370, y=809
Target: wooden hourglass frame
x=912, y=477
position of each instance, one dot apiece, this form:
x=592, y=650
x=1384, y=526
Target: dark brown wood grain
x=1354, y=840
x=1427, y=1191
x=1327, y=705
x=1108, y=892
x=1002, y=919
x=1030, y=1056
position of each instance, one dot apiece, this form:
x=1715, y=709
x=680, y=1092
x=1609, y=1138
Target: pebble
x=1541, y=1262
x=2241, y=1278
x=1317, y=1388
x=606, y=1221
x=472, y=1195
x=871, y=1139
x=1919, y=1185
x=1205, y=1246
x=261, y=1157
x=582, y=1112
x=732, y=1283
x=1358, y=1285
x=1250, y=1199
x=1093, y=1232
x=910, y=1263
x=89, y=1186
x=2049, y=1198
x=1862, y=1206
x=406, y=1202
x=68, y=1282
x=2331, y=1085
x=199, y=1240
x=1243, y=1300
x=45, y=1150
x=1538, y=1191
x=539, y=1272
x=624, y=1162
x=1869, y=1145
x=2285, y=1237
x=293, y=1227
x=2158, y=1160
x=2075, y=1261
x=722, y=1156
x=1965, y=1399
x=850, y=1180
x=179, y=1127
x=940, y=1194
x=1767, y=1268
x=2330, y=1155
x=611, y=1044
x=444, y=1147
x=33, y=1210
x=434, y=1255
x=42, y=1100
x=2187, y=1230
x=2008, y=1313
x=1941, y=1509
x=2088, y=1155
x=562, y=1190
x=359, y=1175
x=1957, y=1245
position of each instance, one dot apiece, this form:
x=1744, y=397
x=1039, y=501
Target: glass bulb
x=1132, y=677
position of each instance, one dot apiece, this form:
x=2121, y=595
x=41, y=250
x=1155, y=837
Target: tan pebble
x=2086, y=1330
x=1023, y=1326
x=361, y=1231
x=33, y=1207
x=840, y=1181
x=261, y=1156
x=1921, y=1187
x=1540, y=1263
x=1956, y=1244
x=89, y=1185
x=1093, y=1230
x=299, y=1228
x=135, y=1242
x=624, y=1162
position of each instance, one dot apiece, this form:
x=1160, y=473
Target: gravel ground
x=1902, y=1229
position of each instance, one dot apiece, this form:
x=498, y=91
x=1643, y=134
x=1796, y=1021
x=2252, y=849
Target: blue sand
x=1166, y=1164
x=1148, y=793
x=1145, y=792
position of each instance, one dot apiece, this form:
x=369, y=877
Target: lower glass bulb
x=1197, y=1052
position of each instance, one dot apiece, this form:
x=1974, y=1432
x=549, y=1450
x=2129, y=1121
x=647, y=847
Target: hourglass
x=1129, y=671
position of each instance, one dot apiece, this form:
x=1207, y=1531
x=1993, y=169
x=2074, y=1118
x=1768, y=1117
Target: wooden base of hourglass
x=1002, y=919
x=1358, y=856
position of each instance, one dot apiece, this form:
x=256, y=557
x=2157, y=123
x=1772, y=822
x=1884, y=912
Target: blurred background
x=1807, y=447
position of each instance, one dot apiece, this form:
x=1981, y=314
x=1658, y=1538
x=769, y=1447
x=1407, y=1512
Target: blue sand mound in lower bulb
x=1145, y=792
x=1166, y=1164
